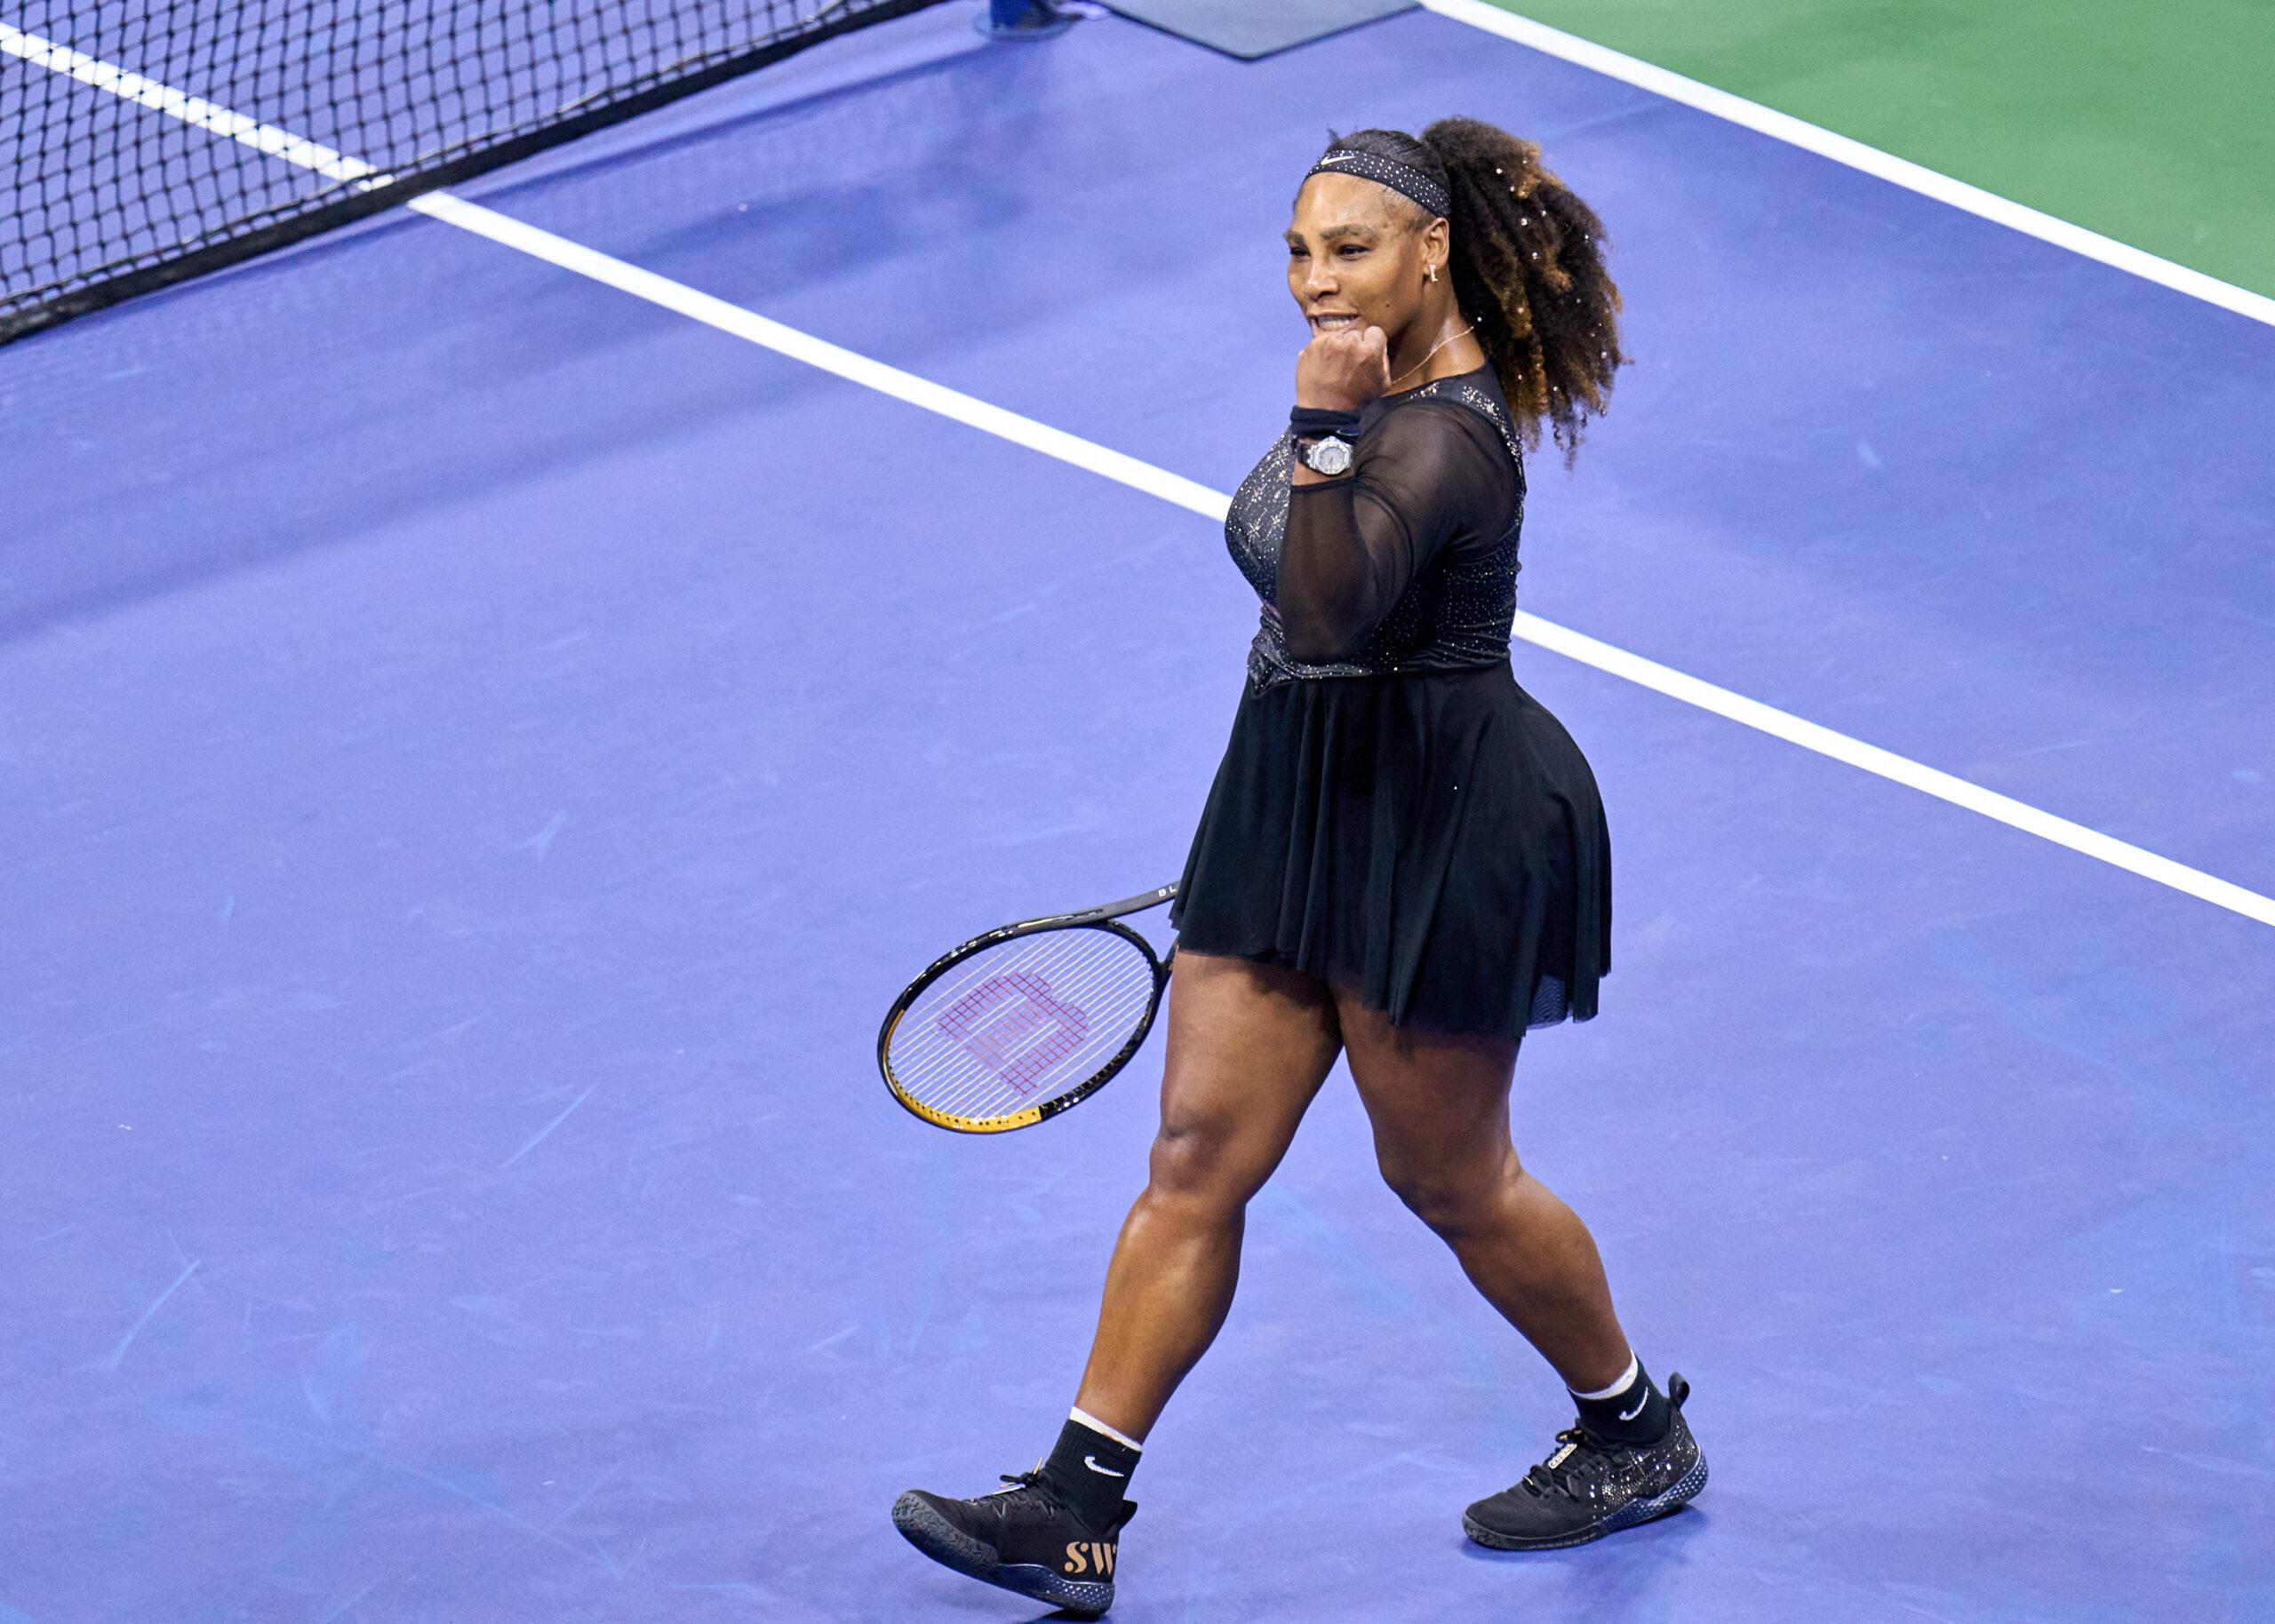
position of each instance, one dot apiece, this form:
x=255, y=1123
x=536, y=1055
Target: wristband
x=1313, y=423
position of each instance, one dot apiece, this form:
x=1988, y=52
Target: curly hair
x=1527, y=263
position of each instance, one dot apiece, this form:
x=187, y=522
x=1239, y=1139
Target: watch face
x=1330, y=455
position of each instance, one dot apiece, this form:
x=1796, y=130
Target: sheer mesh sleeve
x=1427, y=473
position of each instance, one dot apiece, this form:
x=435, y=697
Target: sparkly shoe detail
x=1022, y=1538
x=1592, y=1487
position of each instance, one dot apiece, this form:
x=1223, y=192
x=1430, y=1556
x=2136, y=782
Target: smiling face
x=1355, y=257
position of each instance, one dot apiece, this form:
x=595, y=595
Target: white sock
x=1078, y=1413
x=1626, y=1379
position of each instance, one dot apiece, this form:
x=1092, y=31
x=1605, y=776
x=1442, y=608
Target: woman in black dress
x=1404, y=860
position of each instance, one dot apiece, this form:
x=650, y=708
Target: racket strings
x=1026, y=1027
x=1019, y=1024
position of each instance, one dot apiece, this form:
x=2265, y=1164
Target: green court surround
x=2154, y=125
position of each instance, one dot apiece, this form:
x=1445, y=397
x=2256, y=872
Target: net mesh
x=142, y=141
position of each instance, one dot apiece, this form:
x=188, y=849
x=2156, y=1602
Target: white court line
x=1913, y=177
x=1897, y=770
x=190, y=109
x=1199, y=499
x=820, y=353
x=1196, y=497
x=628, y=278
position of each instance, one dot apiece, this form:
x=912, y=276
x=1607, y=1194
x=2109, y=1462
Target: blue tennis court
x=482, y=749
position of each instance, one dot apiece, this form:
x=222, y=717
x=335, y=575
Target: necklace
x=1424, y=362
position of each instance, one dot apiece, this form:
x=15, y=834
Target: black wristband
x=1311, y=423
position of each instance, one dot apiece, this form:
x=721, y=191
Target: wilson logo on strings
x=1014, y=1025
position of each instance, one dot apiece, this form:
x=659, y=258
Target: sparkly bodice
x=1455, y=613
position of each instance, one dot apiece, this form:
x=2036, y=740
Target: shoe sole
x=949, y=1546
x=1634, y=1514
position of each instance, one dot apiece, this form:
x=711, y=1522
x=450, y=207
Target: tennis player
x=1403, y=859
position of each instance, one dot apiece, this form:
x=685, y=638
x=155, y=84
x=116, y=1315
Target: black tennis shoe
x=1022, y=1537
x=1592, y=1487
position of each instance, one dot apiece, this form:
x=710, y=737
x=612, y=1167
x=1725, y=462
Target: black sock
x=1090, y=1471
x=1637, y=1413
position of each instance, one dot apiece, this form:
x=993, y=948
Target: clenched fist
x=1344, y=369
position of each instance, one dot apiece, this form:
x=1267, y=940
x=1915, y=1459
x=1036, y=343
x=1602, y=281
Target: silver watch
x=1330, y=455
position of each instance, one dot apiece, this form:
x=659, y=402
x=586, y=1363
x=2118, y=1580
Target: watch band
x=1324, y=439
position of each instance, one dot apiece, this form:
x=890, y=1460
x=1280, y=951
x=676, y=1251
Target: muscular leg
x=1439, y=1107
x=1248, y=1046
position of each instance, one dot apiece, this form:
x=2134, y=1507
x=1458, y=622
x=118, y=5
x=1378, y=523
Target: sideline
x=1855, y=155
x=561, y=252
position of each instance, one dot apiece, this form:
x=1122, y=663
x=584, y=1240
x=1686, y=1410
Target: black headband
x=1402, y=179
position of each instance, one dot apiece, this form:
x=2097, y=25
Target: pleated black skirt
x=1433, y=841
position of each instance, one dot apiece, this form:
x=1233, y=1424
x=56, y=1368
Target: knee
x=1453, y=1200
x=1201, y=1163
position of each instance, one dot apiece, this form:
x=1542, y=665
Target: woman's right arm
x=1354, y=543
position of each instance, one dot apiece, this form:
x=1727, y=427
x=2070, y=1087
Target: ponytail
x=1527, y=263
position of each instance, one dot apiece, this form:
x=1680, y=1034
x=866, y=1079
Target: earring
x=1430, y=270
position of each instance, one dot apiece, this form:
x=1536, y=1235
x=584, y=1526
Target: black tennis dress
x=1393, y=812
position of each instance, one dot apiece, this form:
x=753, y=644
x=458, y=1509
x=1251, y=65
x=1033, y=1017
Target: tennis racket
x=1015, y=1026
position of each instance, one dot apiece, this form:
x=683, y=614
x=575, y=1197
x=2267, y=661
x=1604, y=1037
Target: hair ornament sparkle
x=1409, y=182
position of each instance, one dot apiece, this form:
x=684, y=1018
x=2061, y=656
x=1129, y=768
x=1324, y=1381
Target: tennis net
x=142, y=141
